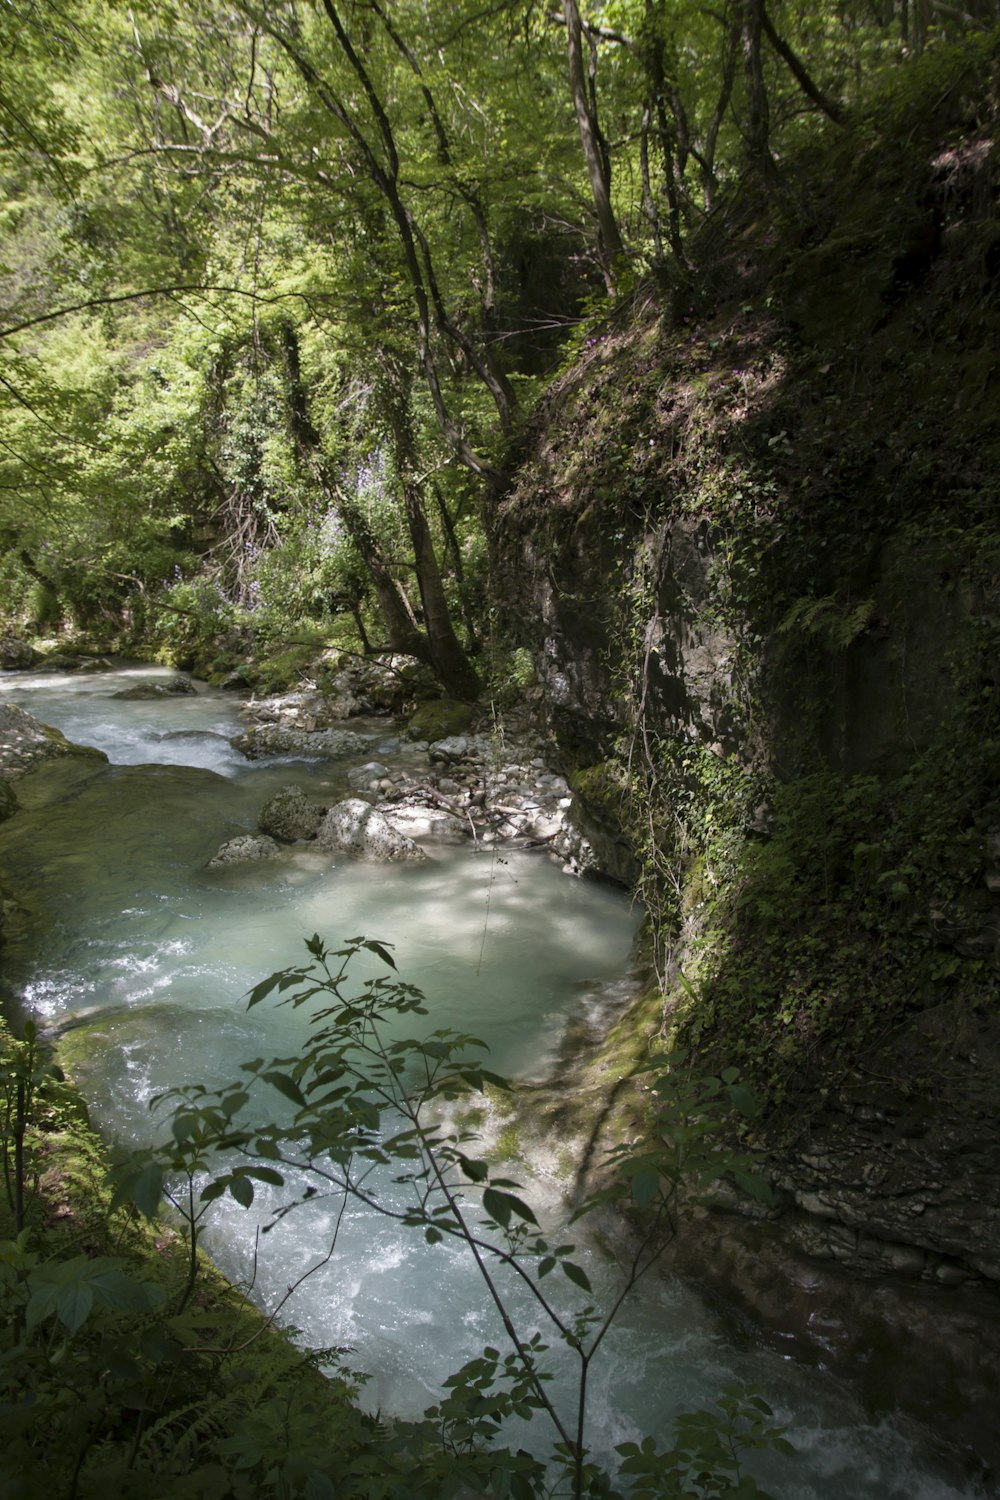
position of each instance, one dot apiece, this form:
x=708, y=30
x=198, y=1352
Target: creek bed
x=140, y=958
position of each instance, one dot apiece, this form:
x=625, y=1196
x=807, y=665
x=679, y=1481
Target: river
x=140, y=958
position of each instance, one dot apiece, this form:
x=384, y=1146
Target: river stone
x=15, y=654
x=290, y=815
x=279, y=739
x=62, y=661
x=361, y=778
x=176, y=687
x=433, y=823
x=25, y=743
x=243, y=849
x=361, y=829
x=448, y=751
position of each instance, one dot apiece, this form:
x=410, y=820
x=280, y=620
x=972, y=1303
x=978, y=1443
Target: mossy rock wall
x=756, y=547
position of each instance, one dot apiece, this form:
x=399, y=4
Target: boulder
x=439, y=718
x=62, y=661
x=25, y=743
x=367, y=777
x=279, y=739
x=176, y=687
x=372, y=685
x=453, y=748
x=360, y=829
x=244, y=849
x=15, y=654
x=290, y=815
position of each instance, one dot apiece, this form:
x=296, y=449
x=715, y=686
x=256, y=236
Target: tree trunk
x=758, y=125
x=448, y=659
x=598, y=170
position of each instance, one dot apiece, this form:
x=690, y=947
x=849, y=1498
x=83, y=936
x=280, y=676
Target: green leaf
x=264, y=1174
x=73, y=1305
x=577, y=1275
x=241, y=1189
x=261, y=991
x=645, y=1185
x=381, y=951
x=146, y=1191
x=498, y=1206
x=285, y=1085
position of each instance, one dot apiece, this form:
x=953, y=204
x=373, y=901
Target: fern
x=834, y=621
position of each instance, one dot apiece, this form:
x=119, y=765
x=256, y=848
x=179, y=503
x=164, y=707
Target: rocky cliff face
x=756, y=544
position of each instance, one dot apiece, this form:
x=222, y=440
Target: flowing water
x=140, y=957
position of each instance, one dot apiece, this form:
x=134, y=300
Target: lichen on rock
x=359, y=828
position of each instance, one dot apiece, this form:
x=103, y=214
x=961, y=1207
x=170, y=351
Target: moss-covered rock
x=755, y=548
x=439, y=718
x=25, y=743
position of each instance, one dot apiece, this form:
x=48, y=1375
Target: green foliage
x=106, y=1384
x=704, y=1462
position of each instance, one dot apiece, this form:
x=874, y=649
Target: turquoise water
x=142, y=957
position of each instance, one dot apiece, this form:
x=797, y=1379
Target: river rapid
x=140, y=959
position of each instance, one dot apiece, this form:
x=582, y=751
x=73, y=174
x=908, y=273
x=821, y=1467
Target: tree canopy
x=282, y=279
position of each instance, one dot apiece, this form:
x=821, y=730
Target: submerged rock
x=244, y=849
x=290, y=815
x=361, y=829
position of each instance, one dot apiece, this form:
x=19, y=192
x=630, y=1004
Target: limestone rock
x=279, y=739
x=176, y=687
x=290, y=815
x=15, y=654
x=244, y=849
x=25, y=743
x=361, y=829
x=367, y=777
x=448, y=751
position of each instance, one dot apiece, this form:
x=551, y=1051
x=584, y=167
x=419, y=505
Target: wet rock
x=244, y=849
x=25, y=743
x=451, y=750
x=62, y=661
x=290, y=815
x=360, y=829
x=431, y=824
x=278, y=739
x=368, y=776
x=177, y=687
x=15, y=654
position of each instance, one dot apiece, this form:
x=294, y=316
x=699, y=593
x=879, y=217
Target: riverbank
x=119, y=1376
